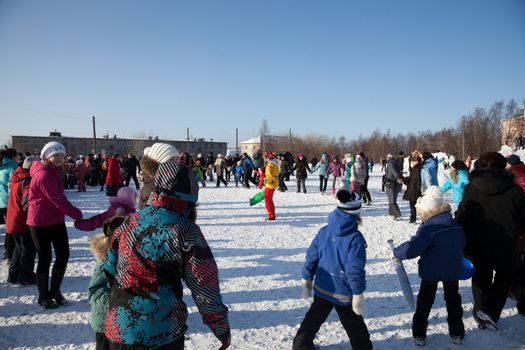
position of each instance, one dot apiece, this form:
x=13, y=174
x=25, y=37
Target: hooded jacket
x=18, y=202
x=457, y=187
x=7, y=168
x=150, y=255
x=429, y=172
x=47, y=202
x=337, y=258
x=492, y=214
x=440, y=242
x=113, y=178
x=271, y=176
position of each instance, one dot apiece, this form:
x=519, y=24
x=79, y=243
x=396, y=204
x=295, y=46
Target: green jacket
x=98, y=296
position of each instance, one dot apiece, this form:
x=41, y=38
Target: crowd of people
x=144, y=253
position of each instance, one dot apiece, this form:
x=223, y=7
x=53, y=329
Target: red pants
x=268, y=200
x=261, y=177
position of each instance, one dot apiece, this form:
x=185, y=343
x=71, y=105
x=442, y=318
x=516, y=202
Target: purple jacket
x=47, y=202
x=97, y=221
x=336, y=169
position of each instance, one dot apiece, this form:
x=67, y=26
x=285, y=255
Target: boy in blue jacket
x=439, y=242
x=336, y=258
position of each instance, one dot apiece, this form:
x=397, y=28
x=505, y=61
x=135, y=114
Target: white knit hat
x=162, y=152
x=52, y=148
x=432, y=199
x=28, y=161
x=350, y=202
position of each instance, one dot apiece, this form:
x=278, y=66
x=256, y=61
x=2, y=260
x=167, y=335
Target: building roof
x=256, y=139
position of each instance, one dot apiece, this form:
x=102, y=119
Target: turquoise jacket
x=457, y=188
x=322, y=167
x=7, y=168
x=98, y=296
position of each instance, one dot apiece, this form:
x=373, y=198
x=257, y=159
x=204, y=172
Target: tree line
x=474, y=133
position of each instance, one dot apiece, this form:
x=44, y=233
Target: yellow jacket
x=271, y=176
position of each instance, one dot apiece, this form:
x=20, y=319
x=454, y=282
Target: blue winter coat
x=429, y=173
x=457, y=188
x=7, y=168
x=239, y=170
x=337, y=258
x=439, y=242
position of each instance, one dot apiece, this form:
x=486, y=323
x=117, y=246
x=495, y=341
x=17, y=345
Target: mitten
x=358, y=303
x=307, y=288
x=226, y=343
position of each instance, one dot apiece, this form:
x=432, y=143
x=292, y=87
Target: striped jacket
x=149, y=256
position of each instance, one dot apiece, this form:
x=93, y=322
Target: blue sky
x=325, y=67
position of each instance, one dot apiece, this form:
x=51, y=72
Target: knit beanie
x=514, y=159
x=28, y=161
x=431, y=200
x=459, y=165
x=125, y=196
x=350, y=202
x=52, y=148
x=174, y=178
x=162, y=152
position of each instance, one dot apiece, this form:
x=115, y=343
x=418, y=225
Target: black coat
x=413, y=183
x=492, y=214
x=301, y=167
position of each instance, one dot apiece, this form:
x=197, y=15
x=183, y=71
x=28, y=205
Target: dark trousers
x=176, y=345
x=9, y=247
x=413, y=216
x=520, y=305
x=493, y=285
x=248, y=178
x=392, y=192
x=44, y=238
x=425, y=299
x=23, y=259
x=220, y=179
x=365, y=194
x=323, y=181
x=282, y=184
x=135, y=180
x=102, y=343
x=301, y=183
x=353, y=324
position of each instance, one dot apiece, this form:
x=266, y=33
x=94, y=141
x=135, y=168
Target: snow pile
x=260, y=270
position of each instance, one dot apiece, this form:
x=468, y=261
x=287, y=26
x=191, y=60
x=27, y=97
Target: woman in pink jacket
x=45, y=218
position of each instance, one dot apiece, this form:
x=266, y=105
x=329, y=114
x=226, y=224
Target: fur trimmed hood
x=99, y=245
x=149, y=166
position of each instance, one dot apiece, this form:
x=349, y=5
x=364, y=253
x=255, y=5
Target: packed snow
x=260, y=271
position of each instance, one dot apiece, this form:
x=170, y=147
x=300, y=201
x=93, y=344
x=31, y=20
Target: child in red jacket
x=23, y=259
x=123, y=203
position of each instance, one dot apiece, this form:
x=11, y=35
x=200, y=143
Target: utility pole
x=237, y=140
x=290, y=140
x=464, y=137
x=188, y=140
x=94, y=137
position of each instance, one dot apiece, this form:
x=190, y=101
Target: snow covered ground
x=260, y=270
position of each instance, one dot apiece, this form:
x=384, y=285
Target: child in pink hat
x=123, y=203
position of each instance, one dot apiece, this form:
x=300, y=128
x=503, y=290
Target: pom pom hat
x=161, y=152
x=350, y=202
x=52, y=148
x=125, y=196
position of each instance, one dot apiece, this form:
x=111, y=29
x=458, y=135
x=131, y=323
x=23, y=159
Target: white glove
x=358, y=303
x=307, y=288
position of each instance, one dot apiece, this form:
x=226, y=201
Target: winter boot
x=42, y=280
x=56, y=280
